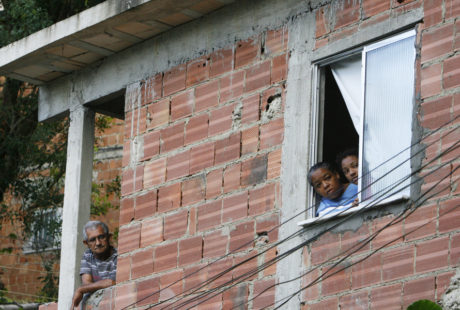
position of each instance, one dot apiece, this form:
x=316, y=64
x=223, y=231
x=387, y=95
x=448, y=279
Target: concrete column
x=77, y=199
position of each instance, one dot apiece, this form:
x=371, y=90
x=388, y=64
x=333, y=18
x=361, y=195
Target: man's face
x=327, y=183
x=350, y=168
x=98, y=242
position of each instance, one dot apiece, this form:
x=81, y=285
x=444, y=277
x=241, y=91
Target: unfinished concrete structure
x=226, y=105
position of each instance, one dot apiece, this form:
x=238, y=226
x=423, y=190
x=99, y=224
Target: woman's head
x=348, y=161
x=325, y=180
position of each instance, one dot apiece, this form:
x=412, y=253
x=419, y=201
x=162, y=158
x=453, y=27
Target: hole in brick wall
x=204, y=64
x=400, y=1
x=272, y=107
x=262, y=50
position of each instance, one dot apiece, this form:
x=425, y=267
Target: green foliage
x=100, y=202
x=424, y=304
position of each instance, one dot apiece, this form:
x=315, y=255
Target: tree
x=33, y=154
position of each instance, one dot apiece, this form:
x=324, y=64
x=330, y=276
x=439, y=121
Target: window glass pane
x=387, y=122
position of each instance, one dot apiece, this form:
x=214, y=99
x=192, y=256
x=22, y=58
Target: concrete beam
x=243, y=19
x=77, y=200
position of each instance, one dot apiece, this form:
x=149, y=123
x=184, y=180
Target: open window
x=45, y=233
x=364, y=99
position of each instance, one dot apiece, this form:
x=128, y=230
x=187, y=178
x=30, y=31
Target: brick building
x=226, y=105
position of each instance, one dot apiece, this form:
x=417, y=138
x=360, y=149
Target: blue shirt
x=99, y=270
x=331, y=206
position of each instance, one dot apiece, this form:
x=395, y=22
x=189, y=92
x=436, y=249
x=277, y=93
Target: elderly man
x=99, y=262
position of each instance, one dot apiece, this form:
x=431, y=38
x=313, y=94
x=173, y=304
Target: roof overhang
x=94, y=34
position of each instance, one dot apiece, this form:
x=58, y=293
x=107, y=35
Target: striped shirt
x=98, y=269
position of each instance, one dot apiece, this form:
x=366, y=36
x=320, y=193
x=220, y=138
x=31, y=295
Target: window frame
x=317, y=116
x=28, y=247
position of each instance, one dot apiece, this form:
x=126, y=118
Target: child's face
x=327, y=183
x=350, y=168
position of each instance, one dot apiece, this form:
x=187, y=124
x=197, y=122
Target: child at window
x=348, y=162
x=336, y=196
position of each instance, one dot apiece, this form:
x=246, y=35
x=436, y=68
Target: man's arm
x=89, y=286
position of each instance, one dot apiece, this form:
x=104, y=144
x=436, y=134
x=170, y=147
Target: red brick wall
x=406, y=264
x=207, y=181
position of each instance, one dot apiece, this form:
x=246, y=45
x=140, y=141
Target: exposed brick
x=250, y=140
x=398, y=263
x=418, y=289
x=235, y=207
x=432, y=12
x=386, y=297
x=158, y=114
x=190, y=250
x=171, y=285
x=197, y=128
x=125, y=295
x=336, y=279
x=178, y=166
x=142, y=264
x=138, y=178
x=355, y=242
x=194, y=277
x=219, y=272
x=436, y=112
x=358, y=300
x=457, y=36
x=148, y=291
x=126, y=211
x=209, y=215
x=245, y=265
x=127, y=182
x=221, y=62
x=432, y=255
x=443, y=282
x=268, y=224
x=151, y=89
x=197, y=71
x=330, y=303
x=214, y=183
x=182, y=105
x=257, y=76
x=154, y=172
x=246, y=52
x=346, y=14
x=272, y=134
x=235, y=297
x=262, y=200
x=311, y=291
x=146, y=205
x=192, y=221
x=431, y=80
x=279, y=68
x=450, y=149
x=250, y=111
x=206, y=96
x=151, y=144
x=326, y=247
x=165, y=257
x=128, y=238
x=128, y=131
x=440, y=178
x=232, y=175
x=276, y=41
x=172, y=137
x=366, y=272
x=176, y=225
x=451, y=73
x=374, y=7
x=201, y=157
x=227, y=149
x=322, y=22
x=420, y=224
x=242, y=237
x=151, y=232
x=231, y=86
x=126, y=153
x=437, y=42
x=193, y=190
x=139, y=118
x=220, y=120
x=264, y=293
x=254, y=170
x=213, y=302
x=455, y=250
x=215, y=244
x=174, y=80
x=452, y=8
x=123, y=269
x=169, y=197
x=387, y=235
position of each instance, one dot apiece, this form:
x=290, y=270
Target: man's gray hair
x=94, y=225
